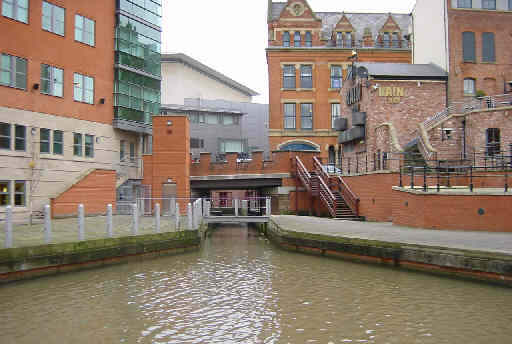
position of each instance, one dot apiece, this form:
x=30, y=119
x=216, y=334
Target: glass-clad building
x=137, y=63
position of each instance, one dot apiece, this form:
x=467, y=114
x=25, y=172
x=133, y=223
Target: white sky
x=230, y=36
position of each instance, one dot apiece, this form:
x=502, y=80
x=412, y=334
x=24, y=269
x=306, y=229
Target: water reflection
x=240, y=289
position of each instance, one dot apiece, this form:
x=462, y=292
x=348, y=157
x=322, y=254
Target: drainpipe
x=464, y=138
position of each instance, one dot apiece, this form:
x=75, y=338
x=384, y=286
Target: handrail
x=327, y=196
x=320, y=170
x=303, y=174
x=348, y=195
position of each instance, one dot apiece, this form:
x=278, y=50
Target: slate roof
x=359, y=21
x=403, y=70
x=202, y=68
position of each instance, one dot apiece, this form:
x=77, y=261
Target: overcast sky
x=230, y=36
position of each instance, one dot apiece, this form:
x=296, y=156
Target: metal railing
x=236, y=207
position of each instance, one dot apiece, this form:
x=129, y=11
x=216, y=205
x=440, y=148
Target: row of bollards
x=194, y=217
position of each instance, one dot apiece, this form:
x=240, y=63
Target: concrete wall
x=430, y=33
x=179, y=81
x=53, y=174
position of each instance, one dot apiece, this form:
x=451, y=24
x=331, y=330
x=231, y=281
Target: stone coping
x=455, y=191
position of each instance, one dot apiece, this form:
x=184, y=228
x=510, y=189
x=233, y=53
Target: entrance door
x=168, y=199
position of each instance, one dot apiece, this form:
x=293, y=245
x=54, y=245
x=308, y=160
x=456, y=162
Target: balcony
x=352, y=134
x=359, y=118
x=340, y=124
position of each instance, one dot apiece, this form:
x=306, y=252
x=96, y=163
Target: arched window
x=286, y=39
x=309, y=39
x=468, y=46
x=298, y=146
x=296, y=39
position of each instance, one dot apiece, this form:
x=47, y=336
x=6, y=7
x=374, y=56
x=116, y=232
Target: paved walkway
x=385, y=231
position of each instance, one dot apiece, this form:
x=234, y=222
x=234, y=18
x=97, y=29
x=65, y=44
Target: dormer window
x=339, y=39
x=286, y=39
x=386, y=40
x=396, y=40
x=296, y=39
x=348, y=40
x=309, y=39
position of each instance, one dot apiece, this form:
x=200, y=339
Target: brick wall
x=452, y=212
x=94, y=191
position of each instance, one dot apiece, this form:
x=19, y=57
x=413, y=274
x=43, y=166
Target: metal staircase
x=332, y=191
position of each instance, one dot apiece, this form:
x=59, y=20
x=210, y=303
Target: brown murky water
x=241, y=289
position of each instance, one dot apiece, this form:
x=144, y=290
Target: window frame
x=386, y=39
x=286, y=39
x=466, y=51
x=492, y=148
x=89, y=146
x=297, y=39
x=474, y=86
x=77, y=144
x=486, y=3
x=53, y=18
x=83, y=30
x=80, y=79
x=288, y=116
x=6, y=193
x=489, y=43
x=15, y=10
x=45, y=141
x=52, y=80
x=348, y=42
x=339, y=39
x=8, y=137
x=308, y=39
x=56, y=143
x=289, y=74
x=335, y=77
x=510, y=5
x=23, y=193
x=18, y=139
x=132, y=151
x=306, y=77
x=13, y=71
x=460, y=3
x=333, y=116
x=303, y=116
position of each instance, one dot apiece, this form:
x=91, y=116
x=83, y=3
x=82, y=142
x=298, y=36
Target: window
x=306, y=76
x=298, y=146
x=15, y=9
x=469, y=86
x=488, y=52
x=289, y=116
x=464, y=4
x=227, y=120
x=20, y=134
x=44, y=140
x=309, y=38
x=5, y=136
x=19, y=193
x=13, y=72
x=339, y=39
x=53, y=18
x=58, y=142
x=212, y=119
x=196, y=143
x=396, y=40
x=132, y=151
x=493, y=141
x=306, y=119
x=52, y=80
x=336, y=77
x=147, y=144
x=121, y=150
x=84, y=89
x=231, y=146
x=77, y=144
x=348, y=40
x=468, y=46
x=5, y=193
x=335, y=113
x=489, y=4
x=510, y=5
x=286, y=39
x=84, y=30
x=386, y=40
x=289, y=76
x=196, y=117
x=296, y=39
x=89, y=146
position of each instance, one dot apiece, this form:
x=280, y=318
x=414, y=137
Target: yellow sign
x=393, y=94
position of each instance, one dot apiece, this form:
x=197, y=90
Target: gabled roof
x=403, y=70
x=202, y=68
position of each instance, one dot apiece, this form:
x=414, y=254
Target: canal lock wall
x=488, y=267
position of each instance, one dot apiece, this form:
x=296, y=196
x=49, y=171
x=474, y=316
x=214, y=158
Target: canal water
x=241, y=289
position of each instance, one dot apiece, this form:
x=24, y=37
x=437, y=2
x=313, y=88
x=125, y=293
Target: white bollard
x=245, y=207
x=177, y=216
x=135, y=219
x=81, y=223
x=207, y=206
x=8, y=227
x=172, y=207
x=110, y=233
x=237, y=204
x=268, y=209
x=189, y=216
x=47, y=224
x=157, y=217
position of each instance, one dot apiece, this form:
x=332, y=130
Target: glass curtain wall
x=137, y=76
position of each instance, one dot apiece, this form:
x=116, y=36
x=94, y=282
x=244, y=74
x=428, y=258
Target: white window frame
x=23, y=193
x=8, y=137
x=287, y=119
x=488, y=2
x=81, y=92
x=53, y=81
x=53, y=20
x=58, y=143
x=12, y=71
x=89, y=147
x=463, y=4
x=336, y=77
x=8, y=192
x=81, y=32
x=335, y=113
x=304, y=116
x=78, y=145
x=16, y=8
x=306, y=75
x=466, y=83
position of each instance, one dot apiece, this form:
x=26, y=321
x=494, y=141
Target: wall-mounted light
x=35, y=86
x=33, y=131
x=169, y=123
x=419, y=83
x=102, y=100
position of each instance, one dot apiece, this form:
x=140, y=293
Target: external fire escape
x=330, y=189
